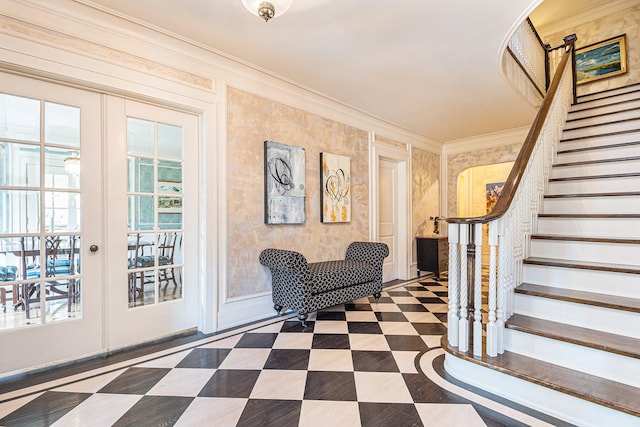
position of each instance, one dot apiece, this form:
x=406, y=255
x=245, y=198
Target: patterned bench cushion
x=330, y=275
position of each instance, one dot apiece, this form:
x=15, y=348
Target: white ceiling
x=431, y=67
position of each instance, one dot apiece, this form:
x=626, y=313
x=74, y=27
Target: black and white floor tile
x=361, y=363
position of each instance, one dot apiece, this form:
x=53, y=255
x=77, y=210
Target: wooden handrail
x=512, y=182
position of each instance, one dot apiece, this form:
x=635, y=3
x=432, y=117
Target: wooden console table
x=433, y=255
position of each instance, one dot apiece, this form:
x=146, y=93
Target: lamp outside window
x=267, y=9
x=72, y=164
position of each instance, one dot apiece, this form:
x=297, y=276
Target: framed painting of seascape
x=600, y=60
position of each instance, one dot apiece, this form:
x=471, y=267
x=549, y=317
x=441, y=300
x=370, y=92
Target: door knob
x=93, y=248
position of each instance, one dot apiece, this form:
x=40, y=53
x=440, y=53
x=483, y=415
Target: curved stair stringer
x=544, y=396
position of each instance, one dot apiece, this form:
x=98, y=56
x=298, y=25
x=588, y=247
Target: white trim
x=402, y=156
x=242, y=311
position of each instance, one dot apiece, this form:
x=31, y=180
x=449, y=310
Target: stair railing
x=510, y=225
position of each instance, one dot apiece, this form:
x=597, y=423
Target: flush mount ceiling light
x=267, y=9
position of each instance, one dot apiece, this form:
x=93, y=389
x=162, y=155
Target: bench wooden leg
x=377, y=296
x=303, y=317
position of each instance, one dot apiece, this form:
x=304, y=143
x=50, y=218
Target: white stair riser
x=606, y=168
x=571, y=409
x=587, y=186
x=598, y=141
x=593, y=205
x=580, y=118
x=619, y=284
x=615, y=253
x=604, y=364
x=622, y=94
x=603, y=154
x=617, y=322
x=585, y=227
x=601, y=129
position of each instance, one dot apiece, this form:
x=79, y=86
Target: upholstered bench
x=307, y=287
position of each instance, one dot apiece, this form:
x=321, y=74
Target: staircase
x=576, y=327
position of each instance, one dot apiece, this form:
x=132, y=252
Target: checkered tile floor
x=353, y=364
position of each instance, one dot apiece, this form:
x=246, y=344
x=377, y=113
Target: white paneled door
x=51, y=210
x=388, y=215
x=153, y=222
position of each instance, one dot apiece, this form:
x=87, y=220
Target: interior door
x=50, y=223
x=388, y=215
x=153, y=222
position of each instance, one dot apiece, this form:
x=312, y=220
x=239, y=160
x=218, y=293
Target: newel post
x=571, y=41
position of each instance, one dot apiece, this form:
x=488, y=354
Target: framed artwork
x=284, y=184
x=335, y=191
x=493, y=191
x=600, y=60
x=169, y=204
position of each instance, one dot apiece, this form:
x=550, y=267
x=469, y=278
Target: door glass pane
x=62, y=273
x=141, y=175
x=19, y=211
x=19, y=118
x=61, y=168
x=62, y=211
x=141, y=213
x=19, y=165
x=61, y=124
x=142, y=262
x=140, y=137
x=169, y=141
x=154, y=153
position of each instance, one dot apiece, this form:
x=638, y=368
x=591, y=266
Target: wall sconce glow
x=72, y=164
x=267, y=9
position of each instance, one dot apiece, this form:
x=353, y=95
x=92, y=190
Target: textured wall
x=458, y=162
x=251, y=120
x=623, y=22
x=425, y=190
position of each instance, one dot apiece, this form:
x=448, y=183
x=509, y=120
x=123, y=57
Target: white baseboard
x=236, y=312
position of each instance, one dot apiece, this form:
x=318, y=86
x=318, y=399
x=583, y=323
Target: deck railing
x=509, y=225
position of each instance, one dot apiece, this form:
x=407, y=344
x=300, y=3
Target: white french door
x=152, y=182
x=51, y=282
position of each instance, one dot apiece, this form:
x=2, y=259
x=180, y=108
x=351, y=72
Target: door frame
x=402, y=157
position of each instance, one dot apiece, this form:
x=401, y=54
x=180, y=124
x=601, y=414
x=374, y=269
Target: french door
x=152, y=183
x=51, y=284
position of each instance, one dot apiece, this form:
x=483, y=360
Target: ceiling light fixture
x=267, y=9
x=72, y=164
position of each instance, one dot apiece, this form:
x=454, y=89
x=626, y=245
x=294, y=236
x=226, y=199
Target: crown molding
x=486, y=141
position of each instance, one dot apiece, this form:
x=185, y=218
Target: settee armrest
x=373, y=253
x=289, y=276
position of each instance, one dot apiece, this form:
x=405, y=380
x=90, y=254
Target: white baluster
x=477, y=289
x=463, y=325
x=505, y=262
x=454, y=284
x=492, y=340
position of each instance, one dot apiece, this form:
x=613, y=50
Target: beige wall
x=425, y=190
x=251, y=121
x=472, y=187
x=458, y=162
x=623, y=22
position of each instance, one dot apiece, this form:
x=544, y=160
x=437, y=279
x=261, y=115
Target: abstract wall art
x=284, y=183
x=335, y=191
